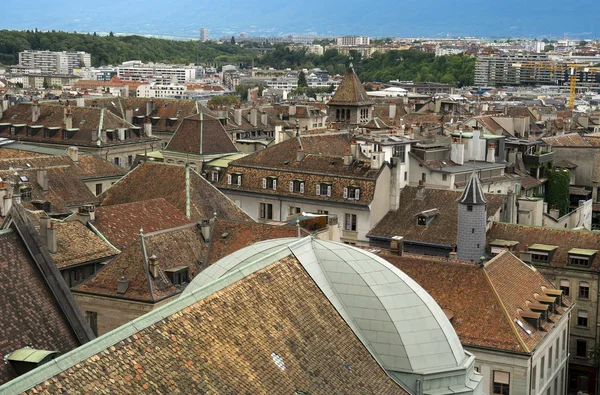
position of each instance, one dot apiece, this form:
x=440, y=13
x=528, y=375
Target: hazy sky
x=405, y=18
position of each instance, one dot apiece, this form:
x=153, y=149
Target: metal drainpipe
x=419, y=392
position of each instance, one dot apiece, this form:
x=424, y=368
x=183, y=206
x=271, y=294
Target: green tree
x=223, y=100
x=582, y=43
x=46, y=83
x=548, y=48
x=302, y=83
x=232, y=40
x=557, y=191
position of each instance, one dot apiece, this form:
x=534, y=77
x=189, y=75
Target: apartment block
x=56, y=62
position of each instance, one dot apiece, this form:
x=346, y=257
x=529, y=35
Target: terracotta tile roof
x=164, y=109
x=76, y=244
x=567, y=140
x=229, y=236
x=92, y=166
x=215, y=139
x=158, y=180
x=517, y=285
x=86, y=119
x=181, y=246
x=9, y=153
x=231, y=341
x=350, y=92
x=37, y=308
x=562, y=238
x=121, y=223
x=443, y=228
x=65, y=188
x=482, y=298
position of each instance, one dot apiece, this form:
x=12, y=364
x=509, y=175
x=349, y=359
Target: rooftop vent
x=25, y=359
x=122, y=285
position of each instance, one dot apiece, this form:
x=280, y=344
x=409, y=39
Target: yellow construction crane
x=572, y=68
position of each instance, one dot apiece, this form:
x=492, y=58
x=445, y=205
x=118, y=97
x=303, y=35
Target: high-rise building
x=54, y=62
x=353, y=40
x=204, y=34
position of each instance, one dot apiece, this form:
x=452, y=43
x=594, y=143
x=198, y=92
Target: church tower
x=472, y=221
x=350, y=105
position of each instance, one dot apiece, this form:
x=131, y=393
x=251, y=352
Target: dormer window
x=542, y=253
x=270, y=182
x=297, y=186
x=580, y=257
x=424, y=218
x=234, y=179
x=214, y=176
x=324, y=189
x=26, y=194
x=178, y=275
x=352, y=192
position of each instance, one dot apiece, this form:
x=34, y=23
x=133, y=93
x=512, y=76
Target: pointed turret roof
x=351, y=91
x=473, y=193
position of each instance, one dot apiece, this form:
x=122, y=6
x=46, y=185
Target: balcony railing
x=538, y=158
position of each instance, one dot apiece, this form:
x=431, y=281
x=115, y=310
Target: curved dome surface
x=396, y=319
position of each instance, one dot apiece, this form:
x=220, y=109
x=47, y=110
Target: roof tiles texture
x=29, y=313
x=233, y=342
x=214, y=138
x=76, y=244
x=176, y=247
x=156, y=180
x=350, y=91
x=121, y=223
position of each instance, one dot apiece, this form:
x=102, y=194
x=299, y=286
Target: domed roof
x=396, y=319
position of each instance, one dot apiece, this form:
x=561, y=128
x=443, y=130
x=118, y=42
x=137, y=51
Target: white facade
x=204, y=36
x=56, y=62
x=161, y=73
x=345, y=41
x=160, y=91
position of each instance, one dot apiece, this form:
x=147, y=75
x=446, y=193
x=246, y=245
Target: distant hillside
x=117, y=49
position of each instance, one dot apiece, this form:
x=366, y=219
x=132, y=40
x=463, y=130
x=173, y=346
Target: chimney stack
x=122, y=285
x=35, y=111
x=348, y=159
x=83, y=216
x=421, y=191
x=264, y=119
x=68, y=117
x=299, y=154
x=491, y=154
x=292, y=110
x=73, y=153
x=44, y=223
x=51, y=238
x=80, y=102
x=237, y=116
x=254, y=116
x=153, y=266
x=129, y=115
x=42, y=179
x=148, y=128
x=149, y=107
x=392, y=110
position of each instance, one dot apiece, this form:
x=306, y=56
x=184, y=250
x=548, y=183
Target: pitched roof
x=480, y=298
x=37, y=307
x=350, y=91
x=158, y=180
x=120, y=224
x=92, y=166
x=564, y=239
x=76, y=244
x=187, y=137
x=442, y=229
x=181, y=246
x=567, y=140
x=230, y=236
x=226, y=338
x=473, y=193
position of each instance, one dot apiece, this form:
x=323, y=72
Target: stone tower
x=350, y=105
x=472, y=220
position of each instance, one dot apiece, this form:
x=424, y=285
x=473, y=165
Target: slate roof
x=490, y=297
x=37, y=308
x=76, y=244
x=562, y=238
x=442, y=229
x=120, y=224
x=473, y=193
x=226, y=339
x=159, y=180
x=350, y=92
x=181, y=246
x=215, y=139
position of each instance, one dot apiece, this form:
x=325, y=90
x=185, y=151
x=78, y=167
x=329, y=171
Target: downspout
x=187, y=190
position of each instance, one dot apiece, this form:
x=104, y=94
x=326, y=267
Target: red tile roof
x=187, y=137
x=121, y=223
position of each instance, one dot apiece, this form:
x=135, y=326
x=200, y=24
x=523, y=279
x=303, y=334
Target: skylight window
x=278, y=361
x=24, y=179
x=523, y=327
